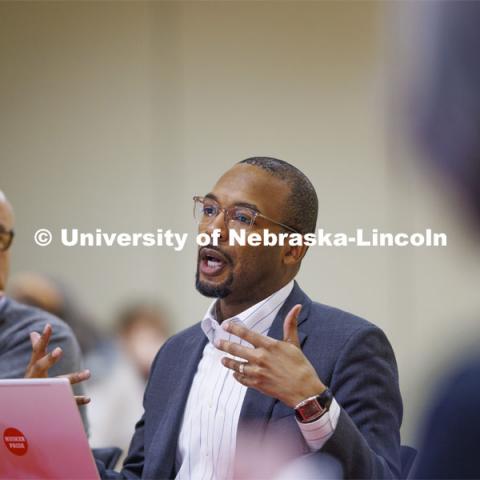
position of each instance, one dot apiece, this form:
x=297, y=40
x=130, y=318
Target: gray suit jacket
x=351, y=356
x=16, y=322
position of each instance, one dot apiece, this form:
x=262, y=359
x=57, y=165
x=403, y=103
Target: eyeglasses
x=6, y=238
x=238, y=218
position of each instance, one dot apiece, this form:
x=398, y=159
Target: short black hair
x=302, y=208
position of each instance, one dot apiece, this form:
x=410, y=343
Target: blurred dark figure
x=447, y=125
x=446, y=100
x=44, y=292
x=451, y=439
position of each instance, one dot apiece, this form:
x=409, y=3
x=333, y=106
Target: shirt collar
x=258, y=317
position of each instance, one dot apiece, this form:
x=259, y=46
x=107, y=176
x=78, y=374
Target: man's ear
x=293, y=254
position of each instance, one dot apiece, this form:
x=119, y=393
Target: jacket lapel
x=165, y=440
x=258, y=407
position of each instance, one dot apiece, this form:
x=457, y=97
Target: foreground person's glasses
x=238, y=218
x=6, y=238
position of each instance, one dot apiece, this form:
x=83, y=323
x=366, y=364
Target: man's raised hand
x=274, y=367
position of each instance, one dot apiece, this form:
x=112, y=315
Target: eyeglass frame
x=225, y=211
x=11, y=234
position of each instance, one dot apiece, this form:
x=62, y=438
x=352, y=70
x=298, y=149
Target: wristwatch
x=313, y=408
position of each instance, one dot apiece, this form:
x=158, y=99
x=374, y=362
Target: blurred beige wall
x=114, y=114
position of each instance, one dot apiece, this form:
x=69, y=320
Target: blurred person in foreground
x=265, y=359
x=20, y=324
x=141, y=329
x=446, y=123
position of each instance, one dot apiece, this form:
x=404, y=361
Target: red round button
x=15, y=441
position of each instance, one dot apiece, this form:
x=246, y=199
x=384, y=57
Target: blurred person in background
x=54, y=296
x=140, y=330
x=143, y=328
x=446, y=121
x=20, y=324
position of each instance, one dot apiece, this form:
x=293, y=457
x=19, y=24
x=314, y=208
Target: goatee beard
x=215, y=291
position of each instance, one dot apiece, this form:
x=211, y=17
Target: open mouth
x=212, y=262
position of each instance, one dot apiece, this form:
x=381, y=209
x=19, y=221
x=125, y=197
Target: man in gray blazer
x=265, y=361
x=20, y=324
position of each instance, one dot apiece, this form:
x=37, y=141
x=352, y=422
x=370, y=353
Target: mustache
x=214, y=247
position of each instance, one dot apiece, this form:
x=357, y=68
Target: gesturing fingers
x=235, y=365
x=256, y=339
x=243, y=372
x=244, y=380
x=77, y=377
x=41, y=362
x=290, y=332
x=40, y=342
x=236, y=350
x=34, y=338
x=39, y=368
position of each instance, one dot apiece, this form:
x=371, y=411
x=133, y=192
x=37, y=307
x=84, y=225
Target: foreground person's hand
x=41, y=361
